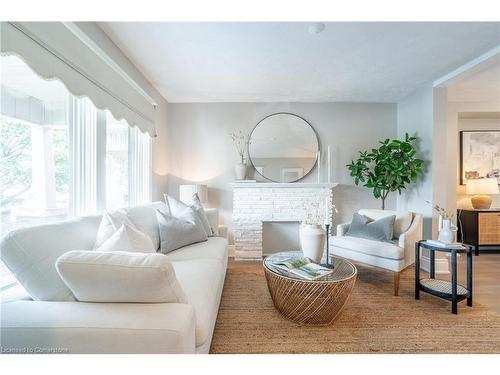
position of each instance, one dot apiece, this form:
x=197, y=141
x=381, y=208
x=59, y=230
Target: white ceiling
x=264, y=62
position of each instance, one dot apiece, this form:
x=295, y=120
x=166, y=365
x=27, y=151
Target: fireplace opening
x=280, y=236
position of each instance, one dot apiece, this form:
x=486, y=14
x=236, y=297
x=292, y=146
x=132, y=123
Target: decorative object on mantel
x=480, y=188
x=312, y=237
x=284, y=147
x=186, y=193
x=445, y=226
x=328, y=165
x=241, y=142
x=389, y=168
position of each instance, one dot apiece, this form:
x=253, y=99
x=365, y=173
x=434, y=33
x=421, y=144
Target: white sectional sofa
x=81, y=327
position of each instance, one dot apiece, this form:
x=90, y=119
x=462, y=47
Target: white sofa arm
x=79, y=327
x=343, y=228
x=407, y=239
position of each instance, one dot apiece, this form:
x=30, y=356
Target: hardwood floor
x=486, y=279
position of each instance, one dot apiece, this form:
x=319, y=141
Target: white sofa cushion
x=202, y=280
x=214, y=248
x=370, y=247
x=127, y=238
x=110, y=223
x=31, y=253
x=119, y=276
x=144, y=219
x=401, y=223
x=99, y=327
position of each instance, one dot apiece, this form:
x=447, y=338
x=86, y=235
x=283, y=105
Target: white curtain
x=84, y=148
x=139, y=167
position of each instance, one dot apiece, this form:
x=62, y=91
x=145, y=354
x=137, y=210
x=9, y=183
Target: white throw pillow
x=127, y=238
x=95, y=276
x=110, y=223
x=176, y=232
x=177, y=209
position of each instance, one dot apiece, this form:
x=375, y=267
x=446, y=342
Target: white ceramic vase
x=312, y=241
x=240, y=170
x=446, y=232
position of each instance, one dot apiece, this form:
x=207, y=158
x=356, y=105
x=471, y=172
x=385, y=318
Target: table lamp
x=480, y=188
x=186, y=193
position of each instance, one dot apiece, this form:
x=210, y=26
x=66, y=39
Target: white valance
x=52, y=50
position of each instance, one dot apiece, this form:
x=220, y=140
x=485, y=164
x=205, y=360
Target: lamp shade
x=186, y=193
x=482, y=186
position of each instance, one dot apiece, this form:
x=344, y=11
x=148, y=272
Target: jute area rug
x=374, y=321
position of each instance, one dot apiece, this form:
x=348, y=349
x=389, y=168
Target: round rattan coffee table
x=317, y=302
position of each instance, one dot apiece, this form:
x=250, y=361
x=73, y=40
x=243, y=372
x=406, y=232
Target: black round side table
x=450, y=291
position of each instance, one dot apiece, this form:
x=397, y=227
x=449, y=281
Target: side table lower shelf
x=442, y=289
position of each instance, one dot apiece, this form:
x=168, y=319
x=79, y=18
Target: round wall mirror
x=283, y=147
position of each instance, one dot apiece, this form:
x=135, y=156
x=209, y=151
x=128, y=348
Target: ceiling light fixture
x=316, y=28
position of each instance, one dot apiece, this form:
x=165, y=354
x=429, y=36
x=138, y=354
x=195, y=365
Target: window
x=60, y=156
x=117, y=162
x=34, y=183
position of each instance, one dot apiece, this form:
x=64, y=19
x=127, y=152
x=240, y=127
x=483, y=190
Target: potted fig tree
x=389, y=168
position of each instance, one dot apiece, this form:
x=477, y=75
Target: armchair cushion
x=369, y=247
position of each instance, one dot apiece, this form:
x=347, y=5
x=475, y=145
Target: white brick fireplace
x=259, y=202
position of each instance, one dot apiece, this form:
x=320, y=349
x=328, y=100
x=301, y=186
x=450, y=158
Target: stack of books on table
x=436, y=243
x=302, y=267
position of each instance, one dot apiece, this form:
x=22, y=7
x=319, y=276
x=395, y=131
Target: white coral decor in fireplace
x=256, y=203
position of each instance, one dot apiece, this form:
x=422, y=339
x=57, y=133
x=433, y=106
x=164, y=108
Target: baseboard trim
x=441, y=264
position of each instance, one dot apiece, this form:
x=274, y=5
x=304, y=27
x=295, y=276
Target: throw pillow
x=377, y=230
x=127, y=238
x=177, y=209
x=95, y=276
x=110, y=223
x=401, y=223
x=176, y=232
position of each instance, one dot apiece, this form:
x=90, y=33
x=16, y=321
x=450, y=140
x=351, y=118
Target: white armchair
x=395, y=256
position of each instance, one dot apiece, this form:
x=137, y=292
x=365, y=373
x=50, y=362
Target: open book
x=302, y=267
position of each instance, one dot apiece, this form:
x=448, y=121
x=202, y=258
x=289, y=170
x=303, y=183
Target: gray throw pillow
x=177, y=232
x=378, y=230
x=176, y=208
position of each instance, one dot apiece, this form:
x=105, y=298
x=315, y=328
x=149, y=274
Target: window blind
x=54, y=50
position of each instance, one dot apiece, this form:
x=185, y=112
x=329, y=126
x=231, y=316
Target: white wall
x=416, y=117
x=200, y=150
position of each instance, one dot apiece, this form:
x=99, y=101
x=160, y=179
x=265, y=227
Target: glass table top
x=343, y=269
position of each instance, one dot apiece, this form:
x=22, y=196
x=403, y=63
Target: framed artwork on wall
x=479, y=154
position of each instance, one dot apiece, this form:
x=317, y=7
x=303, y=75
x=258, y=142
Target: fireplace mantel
x=283, y=185
x=255, y=203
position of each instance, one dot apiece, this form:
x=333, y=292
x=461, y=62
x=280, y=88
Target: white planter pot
x=312, y=241
x=446, y=232
x=240, y=170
